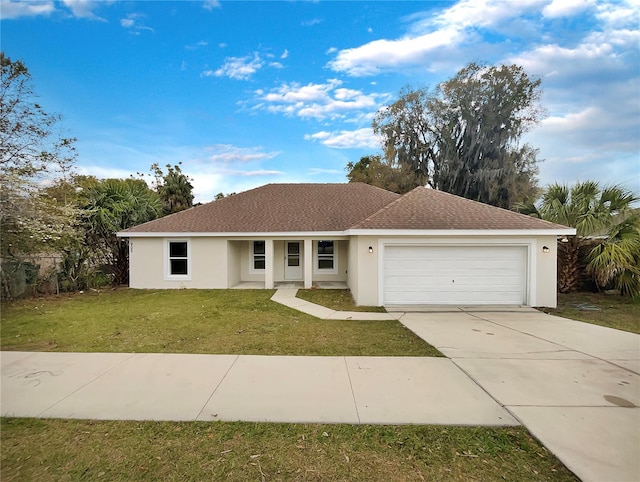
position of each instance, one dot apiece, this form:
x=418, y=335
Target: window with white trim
x=178, y=265
x=258, y=258
x=325, y=256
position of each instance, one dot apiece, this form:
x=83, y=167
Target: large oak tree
x=464, y=137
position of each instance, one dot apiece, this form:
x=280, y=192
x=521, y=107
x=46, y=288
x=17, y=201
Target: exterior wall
x=220, y=263
x=208, y=263
x=547, y=273
x=234, y=251
x=352, y=267
x=540, y=290
x=366, y=276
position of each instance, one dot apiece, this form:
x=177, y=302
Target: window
x=259, y=258
x=178, y=265
x=325, y=255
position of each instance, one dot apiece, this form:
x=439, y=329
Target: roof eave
x=560, y=231
x=272, y=234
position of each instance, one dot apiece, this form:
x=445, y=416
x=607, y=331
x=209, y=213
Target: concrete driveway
x=574, y=385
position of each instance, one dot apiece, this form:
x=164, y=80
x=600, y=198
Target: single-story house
x=423, y=247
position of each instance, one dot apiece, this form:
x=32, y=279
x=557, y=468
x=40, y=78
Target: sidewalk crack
x=88, y=383
x=217, y=386
x=353, y=395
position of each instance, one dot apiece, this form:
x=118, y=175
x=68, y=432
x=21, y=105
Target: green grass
x=339, y=300
x=194, y=321
x=615, y=311
x=63, y=450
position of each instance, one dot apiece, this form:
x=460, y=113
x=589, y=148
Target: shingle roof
x=337, y=207
x=428, y=209
x=278, y=208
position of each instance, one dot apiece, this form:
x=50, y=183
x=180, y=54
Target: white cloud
x=618, y=14
x=32, y=8
x=132, y=23
x=566, y=8
x=228, y=153
x=374, y=57
x=318, y=101
x=316, y=170
x=210, y=4
x=276, y=65
x=285, y=54
x=432, y=38
x=16, y=9
x=258, y=172
x=238, y=68
x=102, y=172
x=591, y=90
x=197, y=45
x=480, y=13
x=83, y=8
x=359, y=138
x=312, y=22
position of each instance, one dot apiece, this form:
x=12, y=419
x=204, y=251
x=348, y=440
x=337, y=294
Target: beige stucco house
x=425, y=247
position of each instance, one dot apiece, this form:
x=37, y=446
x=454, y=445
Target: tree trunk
x=568, y=272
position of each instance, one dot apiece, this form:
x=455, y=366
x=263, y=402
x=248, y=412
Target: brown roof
x=338, y=207
x=424, y=208
x=278, y=208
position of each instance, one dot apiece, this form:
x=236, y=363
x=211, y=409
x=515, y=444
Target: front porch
x=284, y=262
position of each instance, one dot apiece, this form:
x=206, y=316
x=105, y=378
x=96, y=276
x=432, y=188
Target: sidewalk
x=287, y=297
x=148, y=386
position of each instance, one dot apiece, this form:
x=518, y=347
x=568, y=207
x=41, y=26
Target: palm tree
x=176, y=191
x=617, y=259
x=593, y=211
x=112, y=205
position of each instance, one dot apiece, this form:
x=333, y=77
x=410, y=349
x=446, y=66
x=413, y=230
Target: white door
x=454, y=275
x=293, y=261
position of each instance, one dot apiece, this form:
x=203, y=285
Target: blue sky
x=248, y=93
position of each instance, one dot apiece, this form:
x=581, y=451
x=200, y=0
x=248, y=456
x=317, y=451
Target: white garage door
x=454, y=275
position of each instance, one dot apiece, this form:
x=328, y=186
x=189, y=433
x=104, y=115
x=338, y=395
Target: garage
x=454, y=275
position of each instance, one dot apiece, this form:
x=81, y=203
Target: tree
x=174, y=188
x=112, y=205
x=616, y=261
x=464, y=137
x=31, y=152
x=377, y=172
x=593, y=211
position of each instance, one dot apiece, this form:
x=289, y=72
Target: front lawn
x=612, y=311
x=194, y=321
x=48, y=449
x=339, y=300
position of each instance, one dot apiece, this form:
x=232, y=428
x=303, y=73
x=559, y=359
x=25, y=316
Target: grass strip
x=612, y=311
x=339, y=300
x=65, y=450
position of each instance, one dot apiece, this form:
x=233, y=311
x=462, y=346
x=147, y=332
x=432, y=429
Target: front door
x=293, y=261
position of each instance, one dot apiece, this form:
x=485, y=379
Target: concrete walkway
x=358, y=390
x=575, y=386
x=287, y=297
